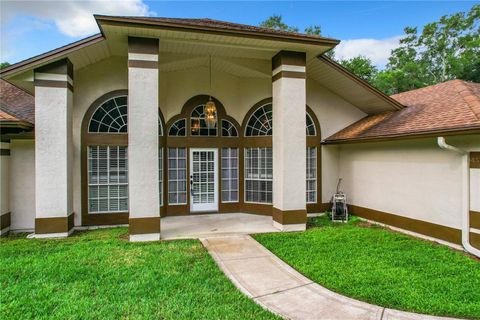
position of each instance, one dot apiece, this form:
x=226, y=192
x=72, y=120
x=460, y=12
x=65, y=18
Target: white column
x=5, y=214
x=144, y=203
x=289, y=141
x=53, y=149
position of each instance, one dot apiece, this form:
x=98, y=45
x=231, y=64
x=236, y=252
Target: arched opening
x=203, y=161
x=258, y=176
x=104, y=160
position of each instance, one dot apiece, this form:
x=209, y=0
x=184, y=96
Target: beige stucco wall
x=22, y=184
x=333, y=113
x=238, y=94
x=411, y=178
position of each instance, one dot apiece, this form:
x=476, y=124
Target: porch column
x=144, y=202
x=4, y=188
x=53, y=149
x=289, y=141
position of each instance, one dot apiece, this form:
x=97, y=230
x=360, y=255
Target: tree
x=444, y=50
x=275, y=22
x=4, y=65
x=361, y=66
x=315, y=30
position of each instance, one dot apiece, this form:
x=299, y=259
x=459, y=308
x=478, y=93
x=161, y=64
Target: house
x=157, y=117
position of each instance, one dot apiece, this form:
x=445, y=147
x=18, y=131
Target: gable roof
x=16, y=106
x=448, y=107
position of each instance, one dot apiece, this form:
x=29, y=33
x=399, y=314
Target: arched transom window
x=311, y=131
x=110, y=117
x=177, y=129
x=198, y=123
x=260, y=122
x=228, y=129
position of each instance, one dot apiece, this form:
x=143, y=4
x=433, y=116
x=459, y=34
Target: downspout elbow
x=465, y=195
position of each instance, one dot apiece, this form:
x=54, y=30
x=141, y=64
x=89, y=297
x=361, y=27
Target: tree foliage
x=444, y=50
x=4, y=65
x=361, y=66
x=276, y=22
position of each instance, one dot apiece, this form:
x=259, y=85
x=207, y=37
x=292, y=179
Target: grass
x=382, y=267
x=100, y=275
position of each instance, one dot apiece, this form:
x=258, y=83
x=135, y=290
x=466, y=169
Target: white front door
x=203, y=179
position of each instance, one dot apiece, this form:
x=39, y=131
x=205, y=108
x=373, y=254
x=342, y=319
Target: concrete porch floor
x=207, y=225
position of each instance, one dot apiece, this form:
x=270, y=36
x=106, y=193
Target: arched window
x=110, y=116
x=258, y=158
x=260, y=122
x=177, y=129
x=198, y=123
x=311, y=131
x=228, y=129
x=105, y=159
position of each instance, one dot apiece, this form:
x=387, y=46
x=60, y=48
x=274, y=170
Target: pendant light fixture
x=210, y=108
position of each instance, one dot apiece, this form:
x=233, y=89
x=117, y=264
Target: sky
x=369, y=28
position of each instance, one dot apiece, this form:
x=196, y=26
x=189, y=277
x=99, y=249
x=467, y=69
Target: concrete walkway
x=276, y=286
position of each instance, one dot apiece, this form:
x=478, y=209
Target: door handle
x=191, y=186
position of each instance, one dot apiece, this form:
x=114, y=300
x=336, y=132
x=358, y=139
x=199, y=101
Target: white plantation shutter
x=107, y=179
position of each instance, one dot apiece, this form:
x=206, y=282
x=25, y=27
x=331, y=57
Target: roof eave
x=50, y=55
x=394, y=103
x=16, y=124
x=113, y=20
x=410, y=135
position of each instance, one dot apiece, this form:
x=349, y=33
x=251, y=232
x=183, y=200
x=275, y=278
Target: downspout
x=465, y=195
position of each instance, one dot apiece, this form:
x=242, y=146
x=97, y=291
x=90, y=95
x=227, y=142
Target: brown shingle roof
x=448, y=106
x=16, y=104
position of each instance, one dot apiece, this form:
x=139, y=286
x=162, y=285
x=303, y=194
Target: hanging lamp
x=210, y=107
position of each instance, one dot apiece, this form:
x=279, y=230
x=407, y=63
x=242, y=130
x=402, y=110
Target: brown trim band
x=291, y=58
x=475, y=219
x=475, y=240
x=289, y=74
x=474, y=160
x=53, y=84
x=5, y=220
x=143, y=64
x=4, y=152
x=289, y=216
x=143, y=45
x=426, y=228
x=144, y=225
x=54, y=225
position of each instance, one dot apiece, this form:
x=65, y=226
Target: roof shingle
x=16, y=104
x=447, y=106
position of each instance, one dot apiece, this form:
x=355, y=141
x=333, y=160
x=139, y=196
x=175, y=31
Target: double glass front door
x=203, y=179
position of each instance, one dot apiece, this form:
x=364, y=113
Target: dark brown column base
x=289, y=216
x=5, y=220
x=144, y=225
x=54, y=225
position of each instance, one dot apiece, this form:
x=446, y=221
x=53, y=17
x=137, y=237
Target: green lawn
x=382, y=267
x=100, y=275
